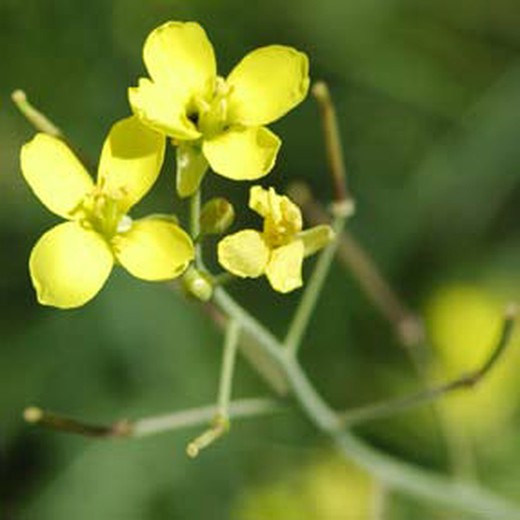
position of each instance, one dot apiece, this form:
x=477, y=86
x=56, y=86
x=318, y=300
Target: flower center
x=278, y=233
x=283, y=221
x=102, y=213
x=210, y=115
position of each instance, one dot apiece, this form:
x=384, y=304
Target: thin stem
x=242, y=408
x=239, y=409
x=195, y=201
x=396, y=474
x=426, y=485
x=228, y=367
x=39, y=120
x=342, y=209
x=53, y=421
x=408, y=326
x=354, y=257
x=261, y=362
x=395, y=406
x=220, y=422
x=332, y=143
x=312, y=292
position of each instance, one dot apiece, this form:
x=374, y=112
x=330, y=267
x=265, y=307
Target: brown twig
x=334, y=151
x=466, y=381
x=63, y=423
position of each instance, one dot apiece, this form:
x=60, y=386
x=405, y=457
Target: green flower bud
x=197, y=284
x=216, y=216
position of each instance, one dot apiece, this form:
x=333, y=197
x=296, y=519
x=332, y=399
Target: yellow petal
x=242, y=154
x=158, y=108
x=154, y=249
x=283, y=218
x=69, y=265
x=244, y=254
x=267, y=203
x=259, y=200
x=284, y=270
x=130, y=162
x=266, y=84
x=180, y=56
x=55, y=174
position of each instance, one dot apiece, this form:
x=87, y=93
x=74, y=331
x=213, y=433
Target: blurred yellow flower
x=278, y=251
x=327, y=488
x=71, y=262
x=215, y=120
x=464, y=322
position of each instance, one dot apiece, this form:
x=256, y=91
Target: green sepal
x=316, y=238
x=191, y=167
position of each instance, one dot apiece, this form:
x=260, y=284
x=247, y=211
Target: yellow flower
x=212, y=119
x=71, y=262
x=278, y=251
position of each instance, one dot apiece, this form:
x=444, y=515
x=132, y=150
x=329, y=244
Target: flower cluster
x=214, y=122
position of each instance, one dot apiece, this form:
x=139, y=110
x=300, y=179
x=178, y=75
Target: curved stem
x=397, y=474
x=37, y=118
x=401, y=404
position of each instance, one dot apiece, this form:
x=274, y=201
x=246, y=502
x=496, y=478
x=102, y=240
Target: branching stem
x=239, y=409
x=220, y=422
x=355, y=258
x=396, y=474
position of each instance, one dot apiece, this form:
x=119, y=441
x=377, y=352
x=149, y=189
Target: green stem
x=312, y=292
x=220, y=422
x=195, y=201
x=241, y=408
x=38, y=119
x=396, y=474
x=228, y=366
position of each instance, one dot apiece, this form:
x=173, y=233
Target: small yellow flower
x=278, y=251
x=213, y=119
x=71, y=262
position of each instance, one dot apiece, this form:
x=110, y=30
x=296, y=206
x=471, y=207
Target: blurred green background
x=428, y=96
